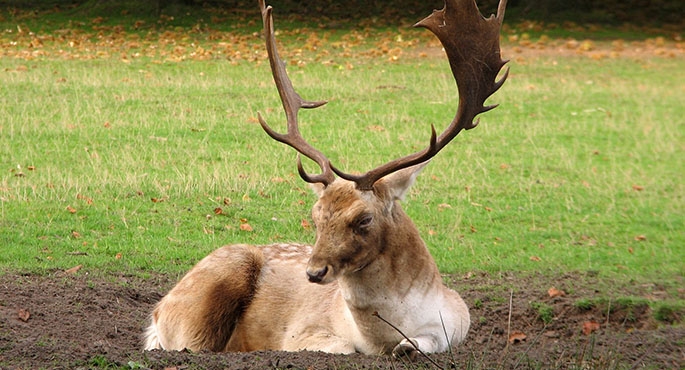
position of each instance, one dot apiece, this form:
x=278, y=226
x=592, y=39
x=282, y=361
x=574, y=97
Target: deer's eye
x=362, y=223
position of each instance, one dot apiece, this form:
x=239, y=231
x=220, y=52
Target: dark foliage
x=638, y=12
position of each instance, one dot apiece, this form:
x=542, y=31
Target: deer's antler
x=472, y=46
x=292, y=102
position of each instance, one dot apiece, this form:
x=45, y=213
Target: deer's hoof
x=406, y=349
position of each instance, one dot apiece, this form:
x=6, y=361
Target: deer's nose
x=316, y=276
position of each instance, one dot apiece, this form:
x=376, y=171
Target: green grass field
x=127, y=158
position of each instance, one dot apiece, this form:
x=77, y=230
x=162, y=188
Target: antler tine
x=292, y=102
x=472, y=46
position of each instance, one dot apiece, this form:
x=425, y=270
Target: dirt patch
x=70, y=321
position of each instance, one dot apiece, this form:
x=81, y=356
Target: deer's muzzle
x=317, y=276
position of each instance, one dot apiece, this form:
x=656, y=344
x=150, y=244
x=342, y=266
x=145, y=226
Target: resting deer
x=368, y=266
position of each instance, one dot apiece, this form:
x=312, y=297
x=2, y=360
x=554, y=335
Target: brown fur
x=209, y=300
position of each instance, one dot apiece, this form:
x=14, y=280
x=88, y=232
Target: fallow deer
x=368, y=266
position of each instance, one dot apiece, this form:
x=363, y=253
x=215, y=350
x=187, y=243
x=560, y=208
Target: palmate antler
x=472, y=46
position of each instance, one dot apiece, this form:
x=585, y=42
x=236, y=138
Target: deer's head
x=353, y=226
x=356, y=214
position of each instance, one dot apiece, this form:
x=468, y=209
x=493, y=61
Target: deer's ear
x=317, y=188
x=398, y=183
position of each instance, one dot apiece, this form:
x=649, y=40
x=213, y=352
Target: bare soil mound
x=81, y=321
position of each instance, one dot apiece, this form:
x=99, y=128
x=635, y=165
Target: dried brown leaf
x=73, y=270
x=23, y=315
x=517, y=337
x=88, y=200
x=554, y=292
x=244, y=226
x=589, y=327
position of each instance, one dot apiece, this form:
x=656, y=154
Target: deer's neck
x=403, y=270
x=400, y=281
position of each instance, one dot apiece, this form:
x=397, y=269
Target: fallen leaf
x=118, y=256
x=24, y=315
x=75, y=234
x=638, y=188
x=218, y=211
x=554, y=292
x=85, y=198
x=517, y=337
x=589, y=327
x=244, y=225
x=71, y=209
x=535, y=258
x=73, y=270
x=640, y=238
x=551, y=334
x=587, y=45
x=305, y=224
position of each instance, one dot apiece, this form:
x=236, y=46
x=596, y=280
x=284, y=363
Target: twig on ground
x=511, y=300
x=375, y=313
